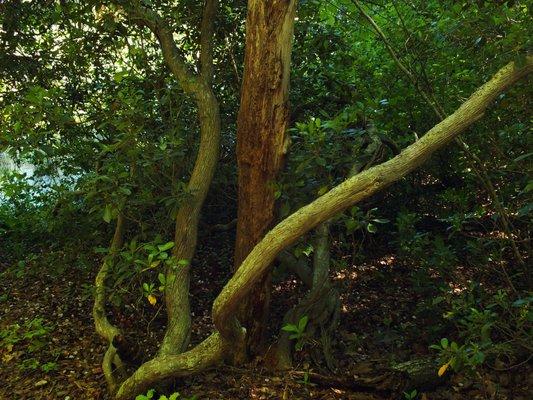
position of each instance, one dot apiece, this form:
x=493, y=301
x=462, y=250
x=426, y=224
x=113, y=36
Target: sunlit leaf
x=443, y=369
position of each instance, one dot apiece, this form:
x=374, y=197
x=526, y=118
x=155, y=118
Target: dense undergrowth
x=435, y=270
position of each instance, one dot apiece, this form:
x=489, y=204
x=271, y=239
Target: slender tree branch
x=103, y=326
x=400, y=64
x=476, y=164
x=206, y=40
x=177, y=335
x=143, y=16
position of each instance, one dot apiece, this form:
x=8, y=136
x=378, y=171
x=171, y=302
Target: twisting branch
x=103, y=326
x=198, y=86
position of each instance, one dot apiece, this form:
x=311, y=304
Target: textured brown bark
x=261, y=126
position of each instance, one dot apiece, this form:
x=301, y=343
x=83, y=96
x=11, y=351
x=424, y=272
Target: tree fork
x=103, y=326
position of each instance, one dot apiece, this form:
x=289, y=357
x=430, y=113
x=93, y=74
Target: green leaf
x=289, y=328
x=444, y=343
x=352, y=225
x=166, y=246
x=322, y=190
x=478, y=358
x=108, y=213
x=303, y=323
x=523, y=157
x=521, y=302
x=371, y=228
x=528, y=188
x=294, y=336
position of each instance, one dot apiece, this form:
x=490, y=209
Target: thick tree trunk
x=262, y=123
x=103, y=326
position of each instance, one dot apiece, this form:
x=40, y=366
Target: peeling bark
x=261, y=135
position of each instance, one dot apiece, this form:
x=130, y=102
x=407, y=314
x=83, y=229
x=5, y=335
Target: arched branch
x=353, y=190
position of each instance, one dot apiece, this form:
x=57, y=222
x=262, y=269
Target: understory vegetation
x=266, y=199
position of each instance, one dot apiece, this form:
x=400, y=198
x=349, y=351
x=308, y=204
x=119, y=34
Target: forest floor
x=55, y=353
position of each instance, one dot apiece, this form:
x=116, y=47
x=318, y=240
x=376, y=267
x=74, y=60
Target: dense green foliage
x=87, y=101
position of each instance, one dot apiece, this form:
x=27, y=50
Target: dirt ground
x=378, y=323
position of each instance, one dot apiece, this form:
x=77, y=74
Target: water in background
x=8, y=165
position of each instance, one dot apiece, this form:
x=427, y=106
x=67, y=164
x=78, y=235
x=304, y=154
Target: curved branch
x=103, y=327
x=353, y=190
x=177, y=335
x=476, y=164
x=186, y=234
x=207, y=354
x=206, y=40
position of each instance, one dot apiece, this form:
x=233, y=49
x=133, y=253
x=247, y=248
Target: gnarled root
x=112, y=364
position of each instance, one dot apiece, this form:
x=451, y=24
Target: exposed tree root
x=207, y=354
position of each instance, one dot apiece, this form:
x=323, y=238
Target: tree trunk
x=198, y=86
x=321, y=305
x=262, y=122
